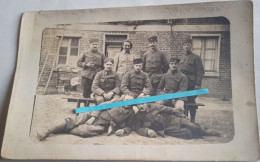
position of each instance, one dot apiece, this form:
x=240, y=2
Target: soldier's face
x=187, y=47
x=94, y=46
x=108, y=66
x=153, y=45
x=174, y=65
x=126, y=46
x=138, y=67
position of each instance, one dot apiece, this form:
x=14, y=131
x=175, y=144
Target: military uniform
x=134, y=84
x=117, y=115
x=88, y=73
x=191, y=66
x=124, y=62
x=155, y=64
x=162, y=119
x=104, y=82
x=79, y=127
x=171, y=82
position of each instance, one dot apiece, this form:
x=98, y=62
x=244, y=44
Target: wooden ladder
x=46, y=71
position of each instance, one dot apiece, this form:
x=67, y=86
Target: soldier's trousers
x=86, y=84
x=187, y=130
x=101, y=99
x=79, y=127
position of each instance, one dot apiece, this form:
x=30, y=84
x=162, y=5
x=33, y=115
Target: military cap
x=108, y=60
x=152, y=39
x=175, y=59
x=138, y=61
x=93, y=40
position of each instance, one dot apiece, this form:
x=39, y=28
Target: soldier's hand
x=120, y=132
x=90, y=121
x=197, y=87
x=141, y=95
x=151, y=133
x=179, y=105
x=90, y=64
x=110, y=95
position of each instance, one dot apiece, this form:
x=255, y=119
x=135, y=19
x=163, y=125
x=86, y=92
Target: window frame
x=68, y=55
x=111, y=34
x=208, y=73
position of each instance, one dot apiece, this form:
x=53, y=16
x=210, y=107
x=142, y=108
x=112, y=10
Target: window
x=68, y=48
x=207, y=47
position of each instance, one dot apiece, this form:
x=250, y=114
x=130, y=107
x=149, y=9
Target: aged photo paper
x=60, y=65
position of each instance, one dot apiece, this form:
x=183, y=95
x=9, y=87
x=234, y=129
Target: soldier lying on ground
x=109, y=119
x=153, y=119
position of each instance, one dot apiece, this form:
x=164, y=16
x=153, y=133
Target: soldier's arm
x=148, y=86
x=161, y=86
x=81, y=62
x=199, y=70
x=116, y=63
x=125, y=83
x=139, y=128
x=169, y=110
x=165, y=63
x=144, y=61
x=116, y=90
x=95, y=85
x=102, y=61
x=183, y=87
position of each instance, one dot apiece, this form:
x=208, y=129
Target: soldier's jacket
x=106, y=81
x=96, y=58
x=158, y=118
x=123, y=62
x=191, y=66
x=135, y=83
x=155, y=62
x=117, y=115
x=173, y=81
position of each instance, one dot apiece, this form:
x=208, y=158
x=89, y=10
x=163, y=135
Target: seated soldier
x=136, y=83
x=171, y=82
x=152, y=118
x=81, y=127
x=106, y=85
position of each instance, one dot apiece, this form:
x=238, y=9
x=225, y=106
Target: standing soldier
x=155, y=63
x=191, y=66
x=136, y=83
x=124, y=59
x=171, y=82
x=91, y=62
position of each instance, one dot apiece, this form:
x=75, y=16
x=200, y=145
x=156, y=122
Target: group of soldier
x=128, y=76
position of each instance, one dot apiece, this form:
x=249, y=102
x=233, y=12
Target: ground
x=52, y=109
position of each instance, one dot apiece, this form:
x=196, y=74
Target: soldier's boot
x=111, y=128
x=53, y=130
x=193, y=110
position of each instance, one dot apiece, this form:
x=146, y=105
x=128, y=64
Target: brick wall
x=170, y=43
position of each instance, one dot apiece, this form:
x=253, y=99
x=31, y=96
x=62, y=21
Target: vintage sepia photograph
x=80, y=59
x=91, y=64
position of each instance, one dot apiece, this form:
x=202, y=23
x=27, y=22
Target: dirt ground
x=52, y=109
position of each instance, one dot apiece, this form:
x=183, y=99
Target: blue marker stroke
x=143, y=100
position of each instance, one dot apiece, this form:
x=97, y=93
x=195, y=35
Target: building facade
x=63, y=46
